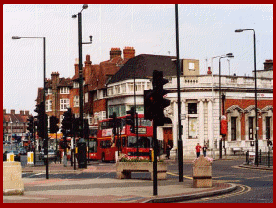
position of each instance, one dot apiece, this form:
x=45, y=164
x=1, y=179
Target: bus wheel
x=103, y=158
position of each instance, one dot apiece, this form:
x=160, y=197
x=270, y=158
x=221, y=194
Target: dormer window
x=75, y=84
x=64, y=90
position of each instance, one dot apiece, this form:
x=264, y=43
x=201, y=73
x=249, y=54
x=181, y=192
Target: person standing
x=198, y=148
x=204, y=149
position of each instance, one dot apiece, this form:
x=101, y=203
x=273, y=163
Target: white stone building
x=199, y=103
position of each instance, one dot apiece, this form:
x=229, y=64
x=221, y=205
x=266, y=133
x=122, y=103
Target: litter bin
x=82, y=153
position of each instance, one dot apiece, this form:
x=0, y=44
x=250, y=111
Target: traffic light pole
x=155, y=158
x=180, y=143
x=44, y=104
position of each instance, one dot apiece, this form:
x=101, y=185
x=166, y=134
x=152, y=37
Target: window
x=75, y=84
x=49, y=91
x=76, y=101
x=233, y=128
x=86, y=97
x=64, y=104
x=48, y=104
x=140, y=86
x=123, y=87
x=117, y=89
x=130, y=87
x=64, y=90
x=192, y=108
x=267, y=126
x=250, y=127
x=191, y=66
x=110, y=91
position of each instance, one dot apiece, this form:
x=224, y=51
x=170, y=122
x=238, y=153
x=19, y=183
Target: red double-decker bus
x=126, y=142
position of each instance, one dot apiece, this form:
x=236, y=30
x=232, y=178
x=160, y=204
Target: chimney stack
x=26, y=113
x=88, y=62
x=114, y=52
x=13, y=111
x=268, y=64
x=21, y=112
x=55, y=80
x=4, y=111
x=129, y=52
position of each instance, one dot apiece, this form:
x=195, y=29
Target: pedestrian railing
x=264, y=158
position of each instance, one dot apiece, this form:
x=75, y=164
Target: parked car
x=16, y=155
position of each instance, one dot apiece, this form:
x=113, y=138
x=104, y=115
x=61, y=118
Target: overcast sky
x=205, y=31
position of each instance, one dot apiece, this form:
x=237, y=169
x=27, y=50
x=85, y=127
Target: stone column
x=201, y=122
x=175, y=122
x=210, y=124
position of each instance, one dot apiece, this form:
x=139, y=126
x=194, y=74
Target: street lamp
x=44, y=96
x=256, y=110
x=228, y=55
x=85, y=6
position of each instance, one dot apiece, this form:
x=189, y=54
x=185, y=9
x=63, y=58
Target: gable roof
x=142, y=67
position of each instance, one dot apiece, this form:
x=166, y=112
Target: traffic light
x=130, y=120
x=67, y=123
x=154, y=101
x=30, y=124
x=53, y=124
x=41, y=128
x=114, y=123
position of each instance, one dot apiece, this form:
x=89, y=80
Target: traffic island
x=202, y=173
x=12, y=178
x=124, y=169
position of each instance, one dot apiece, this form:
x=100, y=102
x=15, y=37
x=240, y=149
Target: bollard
x=30, y=158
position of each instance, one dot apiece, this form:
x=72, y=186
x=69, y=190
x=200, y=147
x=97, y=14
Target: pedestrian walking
x=204, y=149
x=168, y=149
x=198, y=148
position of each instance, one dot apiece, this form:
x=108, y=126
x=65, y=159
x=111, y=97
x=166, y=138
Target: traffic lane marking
x=191, y=178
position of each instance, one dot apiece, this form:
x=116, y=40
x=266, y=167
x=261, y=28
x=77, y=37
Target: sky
x=205, y=31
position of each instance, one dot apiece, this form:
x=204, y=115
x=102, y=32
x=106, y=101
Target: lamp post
x=85, y=6
x=179, y=141
x=228, y=55
x=44, y=96
x=256, y=110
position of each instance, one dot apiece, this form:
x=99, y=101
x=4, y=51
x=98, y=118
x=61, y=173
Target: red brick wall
x=244, y=103
x=99, y=105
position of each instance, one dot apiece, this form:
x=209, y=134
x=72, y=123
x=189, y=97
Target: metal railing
x=264, y=158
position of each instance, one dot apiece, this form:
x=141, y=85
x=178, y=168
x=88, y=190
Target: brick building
x=63, y=93
x=14, y=124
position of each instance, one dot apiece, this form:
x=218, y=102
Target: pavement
x=107, y=190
